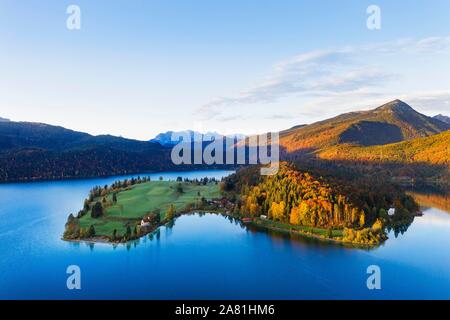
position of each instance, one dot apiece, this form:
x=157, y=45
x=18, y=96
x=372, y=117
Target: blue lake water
x=206, y=256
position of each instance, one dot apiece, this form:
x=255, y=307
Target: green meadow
x=270, y=224
x=140, y=199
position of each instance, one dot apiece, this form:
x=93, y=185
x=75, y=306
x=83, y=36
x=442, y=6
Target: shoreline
x=253, y=222
x=113, y=175
x=317, y=237
x=105, y=239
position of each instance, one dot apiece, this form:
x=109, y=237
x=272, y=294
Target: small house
x=144, y=223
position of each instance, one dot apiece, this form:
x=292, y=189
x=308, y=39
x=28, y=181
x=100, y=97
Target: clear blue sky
x=136, y=68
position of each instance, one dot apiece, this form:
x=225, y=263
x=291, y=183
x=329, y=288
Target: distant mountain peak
x=392, y=122
x=442, y=118
x=396, y=105
x=165, y=138
x=4, y=120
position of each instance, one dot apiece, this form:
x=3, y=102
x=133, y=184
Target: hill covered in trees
x=432, y=150
x=393, y=141
x=419, y=162
x=37, y=151
x=347, y=211
x=16, y=136
x=393, y=122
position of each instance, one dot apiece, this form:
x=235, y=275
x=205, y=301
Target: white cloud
x=431, y=103
x=341, y=72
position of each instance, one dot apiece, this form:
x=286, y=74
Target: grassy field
x=141, y=199
x=302, y=229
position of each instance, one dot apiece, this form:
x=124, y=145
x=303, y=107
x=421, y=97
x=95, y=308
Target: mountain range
x=390, y=123
x=39, y=136
x=395, y=131
x=165, y=138
x=442, y=118
x=30, y=151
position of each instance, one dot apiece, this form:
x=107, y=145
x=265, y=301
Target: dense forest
x=358, y=208
x=36, y=151
x=36, y=164
x=433, y=150
x=418, y=162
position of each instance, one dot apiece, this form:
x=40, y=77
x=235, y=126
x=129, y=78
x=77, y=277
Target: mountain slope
x=393, y=122
x=433, y=150
x=31, y=151
x=19, y=135
x=442, y=118
x=165, y=138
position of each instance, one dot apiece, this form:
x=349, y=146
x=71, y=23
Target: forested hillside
x=301, y=198
x=30, y=151
x=432, y=150
x=393, y=122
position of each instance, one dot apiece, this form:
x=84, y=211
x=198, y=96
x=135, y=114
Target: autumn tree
x=277, y=211
x=362, y=220
x=295, y=217
x=170, y=212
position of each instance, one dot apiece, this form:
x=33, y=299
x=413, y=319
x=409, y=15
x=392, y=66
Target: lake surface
x=205, y=256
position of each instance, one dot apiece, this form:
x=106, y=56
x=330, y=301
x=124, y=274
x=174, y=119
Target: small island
x=358, y=213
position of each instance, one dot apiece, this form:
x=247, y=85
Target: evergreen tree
x=128, y=233
x=97, y=210
x=91, y=232
x=86, y=205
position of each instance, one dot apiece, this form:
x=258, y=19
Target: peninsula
x=291, y=201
